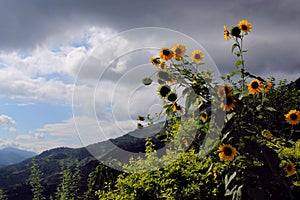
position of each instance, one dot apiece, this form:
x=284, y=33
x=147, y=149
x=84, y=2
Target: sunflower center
x=197, y=56
x=166, y=52
x=293, y=116
x=178, y=51
x=227, y=151
x=235, y=31
x=172, y=97
x=229, y=100
x=244, y=27
x=164, y=91
x=254, y=85
x=227, y=90
x=289, y=168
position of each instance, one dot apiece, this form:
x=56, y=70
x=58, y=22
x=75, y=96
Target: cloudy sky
x=64, y=79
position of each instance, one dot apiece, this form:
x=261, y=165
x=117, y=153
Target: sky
x=70, y=69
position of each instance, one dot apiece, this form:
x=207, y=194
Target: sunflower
x=172, y=96
x=197, y=56
x=226, y=33
x=267, y=86
x=164, y=90
x=293, y=117
x=290, y=169
x=179, y=51
x=267, y=134
x=228, y=104
x=227, y=152
x=245, y=26
x=203, y=117
x=255, y=86
x=235, y=31
x=166, y=54
x=224, y=90
x=155, y=61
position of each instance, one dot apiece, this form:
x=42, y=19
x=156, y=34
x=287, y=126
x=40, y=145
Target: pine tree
x=69, y=186
x=36, y=181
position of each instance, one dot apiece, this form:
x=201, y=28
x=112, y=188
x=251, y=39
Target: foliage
x=252, y=151
x=2, y=196
x=36, y=181
x=69, y=186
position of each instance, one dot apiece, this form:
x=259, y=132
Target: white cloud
x=10, y=129
x=4, y=119
x=24, y=137
x=40, y=135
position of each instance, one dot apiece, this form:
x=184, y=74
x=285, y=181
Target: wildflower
x=255, y=86
x=226, y=33
x=165, y=54
x=164, y=90
x=245, y=26
x=179, y=51
x=228, y=104
x=235, y=31
x=197, y=56
x=266, y=133
x=155, y=61
x=293, y=117
x=224, y=90
x=290, y=169
x=227, y=152
x=172, y=96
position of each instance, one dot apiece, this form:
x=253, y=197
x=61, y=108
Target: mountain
x=14, y=179
x=12, y=155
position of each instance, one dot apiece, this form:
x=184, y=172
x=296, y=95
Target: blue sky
x=53, y=53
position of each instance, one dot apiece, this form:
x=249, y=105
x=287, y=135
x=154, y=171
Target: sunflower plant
x=254, y=148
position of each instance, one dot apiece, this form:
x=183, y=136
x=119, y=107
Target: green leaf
x=238, y=63
x=235, y=45
x=271, y=109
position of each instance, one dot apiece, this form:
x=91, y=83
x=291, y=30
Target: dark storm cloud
x=273, y=42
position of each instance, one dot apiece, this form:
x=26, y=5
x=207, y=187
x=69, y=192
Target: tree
x=69, y=186
x=36, y=181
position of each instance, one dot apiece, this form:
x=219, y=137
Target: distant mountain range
x=14, y=178
x=10, y=155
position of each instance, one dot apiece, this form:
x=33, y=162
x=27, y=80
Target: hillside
x=10, y=155
x=14, y=178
